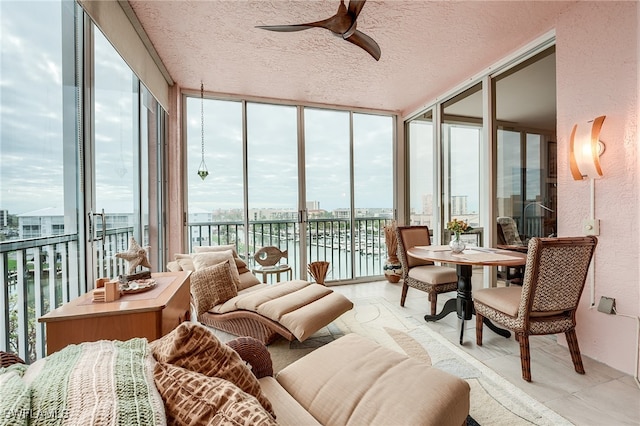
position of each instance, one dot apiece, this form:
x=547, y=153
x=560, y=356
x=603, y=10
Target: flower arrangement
x=458, y=226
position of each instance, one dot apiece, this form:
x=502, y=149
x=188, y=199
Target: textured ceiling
x=428, y=47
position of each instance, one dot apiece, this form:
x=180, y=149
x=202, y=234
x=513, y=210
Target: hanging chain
x=202, y=170
x=202, y=117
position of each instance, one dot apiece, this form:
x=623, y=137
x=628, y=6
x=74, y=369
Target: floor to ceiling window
x=422, y=172
x=62, y=161
x=122, y=185
x=461, y=144
x=526, y=148
x=321, y=194
x=524, y=152
x=39, y=115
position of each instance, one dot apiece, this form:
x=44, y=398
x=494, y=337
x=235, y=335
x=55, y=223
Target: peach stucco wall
x=597, y=74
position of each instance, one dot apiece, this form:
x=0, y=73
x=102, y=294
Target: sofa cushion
x=194, y=347
x=192, y=398
x=288, y=411
x=211, y=286
x=373, y=385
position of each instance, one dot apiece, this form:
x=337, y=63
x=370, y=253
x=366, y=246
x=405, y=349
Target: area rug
x=494, y=401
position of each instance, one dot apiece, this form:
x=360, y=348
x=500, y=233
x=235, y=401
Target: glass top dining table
x=472, y=256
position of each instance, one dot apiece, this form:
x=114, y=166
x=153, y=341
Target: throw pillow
x=247, y=279
x=204, y=249
x=191, y=398
x=174, y=266
x=185, y=262
x=194, y=347
x=206, y=259
x=212, y=285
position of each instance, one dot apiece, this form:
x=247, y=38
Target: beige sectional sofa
x=190, y=377
x=355, y=381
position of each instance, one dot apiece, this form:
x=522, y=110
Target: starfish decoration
x=135, y=256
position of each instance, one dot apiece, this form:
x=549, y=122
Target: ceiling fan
x=342, y=24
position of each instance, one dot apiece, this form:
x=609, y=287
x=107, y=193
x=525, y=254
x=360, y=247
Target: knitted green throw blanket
x=97, y=383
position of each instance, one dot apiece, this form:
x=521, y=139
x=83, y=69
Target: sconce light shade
x=585, y=149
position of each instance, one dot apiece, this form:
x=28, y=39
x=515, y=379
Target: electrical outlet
x=607, y=305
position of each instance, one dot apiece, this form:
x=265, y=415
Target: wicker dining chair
x=554, y=278
x=421, y=274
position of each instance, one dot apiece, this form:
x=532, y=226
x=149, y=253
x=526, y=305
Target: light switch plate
x=591, y=226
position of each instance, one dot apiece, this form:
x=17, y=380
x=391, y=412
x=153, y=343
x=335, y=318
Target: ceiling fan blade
x=285, y=28
x=362, y=40
x=355, y=6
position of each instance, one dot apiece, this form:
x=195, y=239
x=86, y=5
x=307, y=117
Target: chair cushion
x=503, y=299
x=301, y=307
x=196, y=399
x=211, y=286
x=434, y=274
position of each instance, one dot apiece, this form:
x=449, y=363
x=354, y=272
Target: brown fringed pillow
x=191, y=398
x=194, y=347
x=211, y=286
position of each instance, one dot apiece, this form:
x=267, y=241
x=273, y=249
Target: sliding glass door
x=461, y=144
x=272, y=179
x=525, y=146
x=316, y=183
x=123, y=169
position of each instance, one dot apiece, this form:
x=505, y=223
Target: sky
x=33, y=96
x=272, y=157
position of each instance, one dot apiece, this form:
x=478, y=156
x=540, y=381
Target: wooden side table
x=278, y=269
x=149, y=315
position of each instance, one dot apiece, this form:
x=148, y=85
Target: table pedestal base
x=463, y=304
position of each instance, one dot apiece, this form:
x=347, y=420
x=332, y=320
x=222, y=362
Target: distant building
x=459, y=205
x=4, y=218
x=50, y=221
x=41, y=223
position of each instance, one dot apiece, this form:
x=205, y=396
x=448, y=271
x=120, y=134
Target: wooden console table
x=151, y=314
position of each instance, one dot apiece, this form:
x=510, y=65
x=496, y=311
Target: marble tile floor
x=603, y=396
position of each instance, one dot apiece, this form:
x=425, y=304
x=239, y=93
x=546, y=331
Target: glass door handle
x=93, y=229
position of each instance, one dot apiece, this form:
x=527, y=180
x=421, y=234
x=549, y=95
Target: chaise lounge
x=228, y=297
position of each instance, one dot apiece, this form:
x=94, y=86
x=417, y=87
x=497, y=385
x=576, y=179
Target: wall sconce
x=585, y=149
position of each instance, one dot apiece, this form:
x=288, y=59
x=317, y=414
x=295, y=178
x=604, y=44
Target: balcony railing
x=37, y=274
x=40, y=274
x=351, y=255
